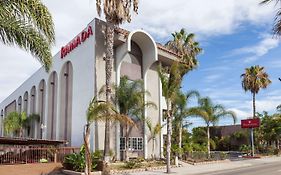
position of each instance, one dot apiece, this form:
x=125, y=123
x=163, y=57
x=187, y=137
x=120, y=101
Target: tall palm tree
x=28, y=24
x=170, y=86
x=277, y=21
x=211, y=114
x=116, y=12
x=254, y=79
x=181, y=111
x=18, y=122
x=129, y=96
x=100, y=111
x=187, y=49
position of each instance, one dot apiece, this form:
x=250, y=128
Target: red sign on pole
x=250, y=123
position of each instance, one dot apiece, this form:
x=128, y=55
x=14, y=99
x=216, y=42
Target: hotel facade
x=62, y=95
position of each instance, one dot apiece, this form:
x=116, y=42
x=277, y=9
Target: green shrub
x=76, y=161
x=97, y=155
x=133, y=164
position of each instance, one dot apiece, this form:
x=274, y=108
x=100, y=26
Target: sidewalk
x=187, y=169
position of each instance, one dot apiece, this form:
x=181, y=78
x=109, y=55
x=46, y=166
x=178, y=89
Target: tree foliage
x=277, y=21
x=28, y=24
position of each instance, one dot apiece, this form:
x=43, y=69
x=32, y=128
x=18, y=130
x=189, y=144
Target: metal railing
x=26, y=154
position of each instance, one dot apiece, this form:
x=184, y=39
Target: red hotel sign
x=76, y=42
x=250, y=123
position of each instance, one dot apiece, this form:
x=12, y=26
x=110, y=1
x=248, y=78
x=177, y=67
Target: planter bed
x=206, y=162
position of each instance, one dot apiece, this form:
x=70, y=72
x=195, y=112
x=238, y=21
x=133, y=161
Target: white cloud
x=206, y=17
x=212, y=77
x=240, y=113
x=160, y=18
x=260, y=49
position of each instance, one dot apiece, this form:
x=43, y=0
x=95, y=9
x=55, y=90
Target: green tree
x=28, y=24
x=99, y=111
x=129, y=96
x=187, y=49
x=170, y=86
x=277, y=21
x=254, y=79
x=16, y=122
x=181, y=112
x=116, y=12
x=154, y=130
x=211, y=114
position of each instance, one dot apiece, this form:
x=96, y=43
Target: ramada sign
x=250, y=123
x=76, y=42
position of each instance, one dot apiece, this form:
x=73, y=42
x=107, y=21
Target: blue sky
x=224, y=59
x=234, y=34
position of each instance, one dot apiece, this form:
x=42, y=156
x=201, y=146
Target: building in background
x=62, y=95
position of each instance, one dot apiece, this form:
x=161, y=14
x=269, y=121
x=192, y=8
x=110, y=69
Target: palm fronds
x=28, y=24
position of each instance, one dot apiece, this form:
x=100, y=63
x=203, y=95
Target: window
x=140, y=143
x=134, y=143
x=122, y=143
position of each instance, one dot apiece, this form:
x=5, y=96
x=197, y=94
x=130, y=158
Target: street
x=266, y=168
x=263, y=166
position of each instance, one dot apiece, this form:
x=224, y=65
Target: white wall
x=83, y=62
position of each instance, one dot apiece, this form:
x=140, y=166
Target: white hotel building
x=62, y=95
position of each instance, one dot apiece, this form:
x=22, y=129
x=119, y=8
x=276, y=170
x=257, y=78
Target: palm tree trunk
x=108, y=71
x=21, y=132
x=252, y=129
x=153, y=149
x=180, y=139
x=169, y=133
x=254, y=105
x=87, y=149
x=127, y=145
x=208, y=138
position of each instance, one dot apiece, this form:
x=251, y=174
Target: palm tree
x=99, y=111
x=277, y=20
x=154, y=130
x=211, y=114
x=17, y=122
x=129, y=96
x=116, y=12
x=187, y=49
x=170, y=86
x=29, y=25
x=254, y=79
x=181, y=112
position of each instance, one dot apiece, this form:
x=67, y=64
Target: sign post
x=251, y=123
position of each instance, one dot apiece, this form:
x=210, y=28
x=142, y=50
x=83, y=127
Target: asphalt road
x=273, y=168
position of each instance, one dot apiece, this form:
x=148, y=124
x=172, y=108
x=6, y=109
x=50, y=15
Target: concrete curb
x=69, y=172
x=209, y=162
x=140, y=169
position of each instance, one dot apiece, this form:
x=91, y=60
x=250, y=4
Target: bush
x=97, y=155
x=133, y=164
x=76, y=161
